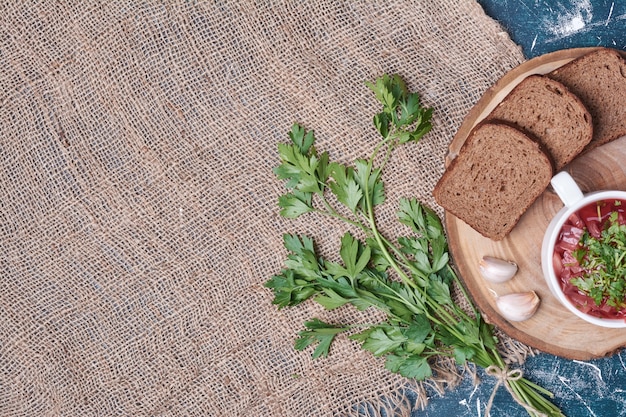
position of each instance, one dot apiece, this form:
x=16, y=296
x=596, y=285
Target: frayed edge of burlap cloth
x=139, y=214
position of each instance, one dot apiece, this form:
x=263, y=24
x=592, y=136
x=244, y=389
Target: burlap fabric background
x=138, y=216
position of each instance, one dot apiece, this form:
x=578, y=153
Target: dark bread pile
x=546, y=121
x=599, y=80
x=545, y=110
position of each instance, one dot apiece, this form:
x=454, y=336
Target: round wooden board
x=552, y=329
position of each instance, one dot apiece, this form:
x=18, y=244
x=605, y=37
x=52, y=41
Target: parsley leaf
x=403, y=116
x=295, y=204
x=288, y=289
x=344, y=185
x=409, y=366
x=301, y=166
x=371, y=180
x=302, y=139
x=320, y=332
x=354, y=255
x=381, y=340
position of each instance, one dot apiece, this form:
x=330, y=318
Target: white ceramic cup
x=573, y=199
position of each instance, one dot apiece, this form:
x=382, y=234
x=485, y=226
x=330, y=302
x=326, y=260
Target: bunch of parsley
x=410, y=281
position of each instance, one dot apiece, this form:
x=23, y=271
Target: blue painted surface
x=541, y=26
x=582, y=389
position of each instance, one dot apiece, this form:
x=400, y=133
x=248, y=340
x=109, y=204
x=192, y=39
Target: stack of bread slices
x=545, y=122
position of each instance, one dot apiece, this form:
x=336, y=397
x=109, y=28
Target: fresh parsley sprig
x=411, y=281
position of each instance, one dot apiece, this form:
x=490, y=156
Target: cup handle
x=566, y=188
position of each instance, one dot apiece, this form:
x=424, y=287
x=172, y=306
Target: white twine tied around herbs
x=503, y=377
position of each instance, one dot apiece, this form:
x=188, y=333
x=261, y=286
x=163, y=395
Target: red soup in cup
x=583, y=254
x=589, y=259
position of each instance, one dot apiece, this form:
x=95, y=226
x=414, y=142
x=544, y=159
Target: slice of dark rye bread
x=498, y=173
x=547, y=111
x=599, y=79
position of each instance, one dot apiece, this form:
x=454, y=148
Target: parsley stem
x=443, y=317
x=417, y=272
x=460, y=286
x=392, y=261
x=400, y=298
x=372, y=221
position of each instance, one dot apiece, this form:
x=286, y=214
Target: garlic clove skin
x=518, y=306
x=496, y=270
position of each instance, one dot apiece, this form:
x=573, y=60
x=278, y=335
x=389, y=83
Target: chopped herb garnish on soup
x=590, y=259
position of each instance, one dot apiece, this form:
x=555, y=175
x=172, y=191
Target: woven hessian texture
x=138, y=216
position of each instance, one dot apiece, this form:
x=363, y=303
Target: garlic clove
x=518, y=306
x=496, y=270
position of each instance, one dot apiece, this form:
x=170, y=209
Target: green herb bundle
x=411, y=281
